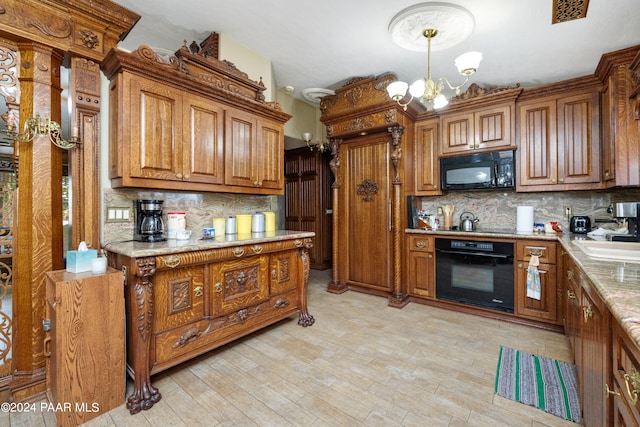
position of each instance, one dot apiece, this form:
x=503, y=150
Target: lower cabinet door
x=178, y=297
x=239, y=283
x=421, y=274
x=546, y=307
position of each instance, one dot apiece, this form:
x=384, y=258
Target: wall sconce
x=37, y=126
x=321, y=146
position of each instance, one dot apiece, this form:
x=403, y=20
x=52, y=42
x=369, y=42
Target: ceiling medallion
x=315, y=94
x=454, y=24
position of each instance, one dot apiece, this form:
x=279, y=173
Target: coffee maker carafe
x=149, y=225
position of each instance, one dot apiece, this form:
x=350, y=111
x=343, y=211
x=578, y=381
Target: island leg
x=305, y=319
x=140, y=321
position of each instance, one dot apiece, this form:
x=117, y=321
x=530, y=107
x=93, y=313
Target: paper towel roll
x=220, y=225
x=244, y=223
x=524, y=219
x=269, y=221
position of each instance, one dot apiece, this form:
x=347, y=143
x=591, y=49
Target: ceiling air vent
x=568, y=10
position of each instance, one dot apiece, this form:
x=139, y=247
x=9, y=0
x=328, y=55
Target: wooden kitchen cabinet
x=426, y=162
x=85, y=344
x=254, y=151
x=620, y=131
x=180, y=305
x=174, y=136
x=625, y=389
x=421, y=266
x=485, y=129
x=587, y=322
x=559, y=146
x=547, y=308
x=204, y=128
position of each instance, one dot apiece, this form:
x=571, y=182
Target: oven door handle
x=484, y=254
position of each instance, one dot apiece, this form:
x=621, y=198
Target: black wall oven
x=479, y=273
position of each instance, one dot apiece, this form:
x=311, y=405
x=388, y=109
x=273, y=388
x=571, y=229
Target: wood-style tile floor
x=361, y=364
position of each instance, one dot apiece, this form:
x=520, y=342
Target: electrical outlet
x=568, y=211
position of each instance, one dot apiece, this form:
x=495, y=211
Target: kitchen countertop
x=173, y=246
x=617, y=282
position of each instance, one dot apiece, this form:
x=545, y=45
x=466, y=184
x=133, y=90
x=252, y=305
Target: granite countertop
x=617, y=282
x=172, y=246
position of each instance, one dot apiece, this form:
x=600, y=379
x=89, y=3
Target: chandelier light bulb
x=468, y=63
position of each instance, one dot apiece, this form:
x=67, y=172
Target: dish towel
x=533, y=278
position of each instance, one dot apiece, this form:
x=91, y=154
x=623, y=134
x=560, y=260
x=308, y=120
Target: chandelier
x=454, y=24
x=319, y=145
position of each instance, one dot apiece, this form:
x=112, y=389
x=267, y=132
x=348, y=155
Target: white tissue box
x=80, y=261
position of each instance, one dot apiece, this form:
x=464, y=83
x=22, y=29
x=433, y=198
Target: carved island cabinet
x=182, y=301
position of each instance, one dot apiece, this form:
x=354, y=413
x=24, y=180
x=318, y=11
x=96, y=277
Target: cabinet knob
x=420, y=244
x=257, y=249
x=197, y=291
x=179, y=175
x=607, y=173
x=535, y=252
x=274, y=274
x=560, y=179
x=472, y=146
x=553, y=180
x=430, y=256
x=218, y=287
x=570, y=274
x=297, y=242
x=571, y=294
x=187, y=176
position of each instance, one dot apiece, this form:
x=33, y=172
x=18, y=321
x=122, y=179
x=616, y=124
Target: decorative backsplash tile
x=200, y=208
x=497, y=209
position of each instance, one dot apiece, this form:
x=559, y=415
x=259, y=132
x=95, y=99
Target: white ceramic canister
x=257, y=222
x=230, y=227
x=177, y=221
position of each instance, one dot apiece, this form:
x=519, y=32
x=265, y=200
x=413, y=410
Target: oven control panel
x=477, y=246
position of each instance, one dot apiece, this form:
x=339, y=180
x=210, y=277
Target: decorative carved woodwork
x=215, y=125
x=371, y=127
x=568, y=10
x=184, y=304
x=82, y=28
x=635, y=95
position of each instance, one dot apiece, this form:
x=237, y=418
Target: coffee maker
x=149, y=225
x=630, y=211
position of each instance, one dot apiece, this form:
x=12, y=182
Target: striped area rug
x=541, y=382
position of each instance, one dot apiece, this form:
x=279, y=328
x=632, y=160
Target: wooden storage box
x=84, y=344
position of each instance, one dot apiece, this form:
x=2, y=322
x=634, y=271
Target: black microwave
x=481, y=171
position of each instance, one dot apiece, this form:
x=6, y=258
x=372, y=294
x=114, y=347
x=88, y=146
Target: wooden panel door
x=240, y=143
x=427, y=165
x=238, y=284
x=421, y=266
x=368, y=210
x=178, y=296
x=203, y=149
x=269, y=155
x=595, y=352
x=579, y=139
x=538, y=144
x=493, y=128
x=546, y=307
x=156, y=131
x=457, y=133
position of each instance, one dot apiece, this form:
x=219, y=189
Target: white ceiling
x=321, y=44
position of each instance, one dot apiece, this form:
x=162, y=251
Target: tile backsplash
x=200, y=208
x=497, y=209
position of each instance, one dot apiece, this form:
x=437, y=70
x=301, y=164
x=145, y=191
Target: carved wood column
x=84, y=159
x=335, y=286
x=398, y=297
x=39, y=231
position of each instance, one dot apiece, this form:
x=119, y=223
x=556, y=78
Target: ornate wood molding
x=87, y=28
x=304, y=318
x=357, y=93
x=198, y=73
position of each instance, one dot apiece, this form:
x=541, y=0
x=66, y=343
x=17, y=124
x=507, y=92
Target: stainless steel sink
x=614, y=251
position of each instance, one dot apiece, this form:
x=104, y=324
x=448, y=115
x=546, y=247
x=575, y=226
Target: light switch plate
x=116, y=214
